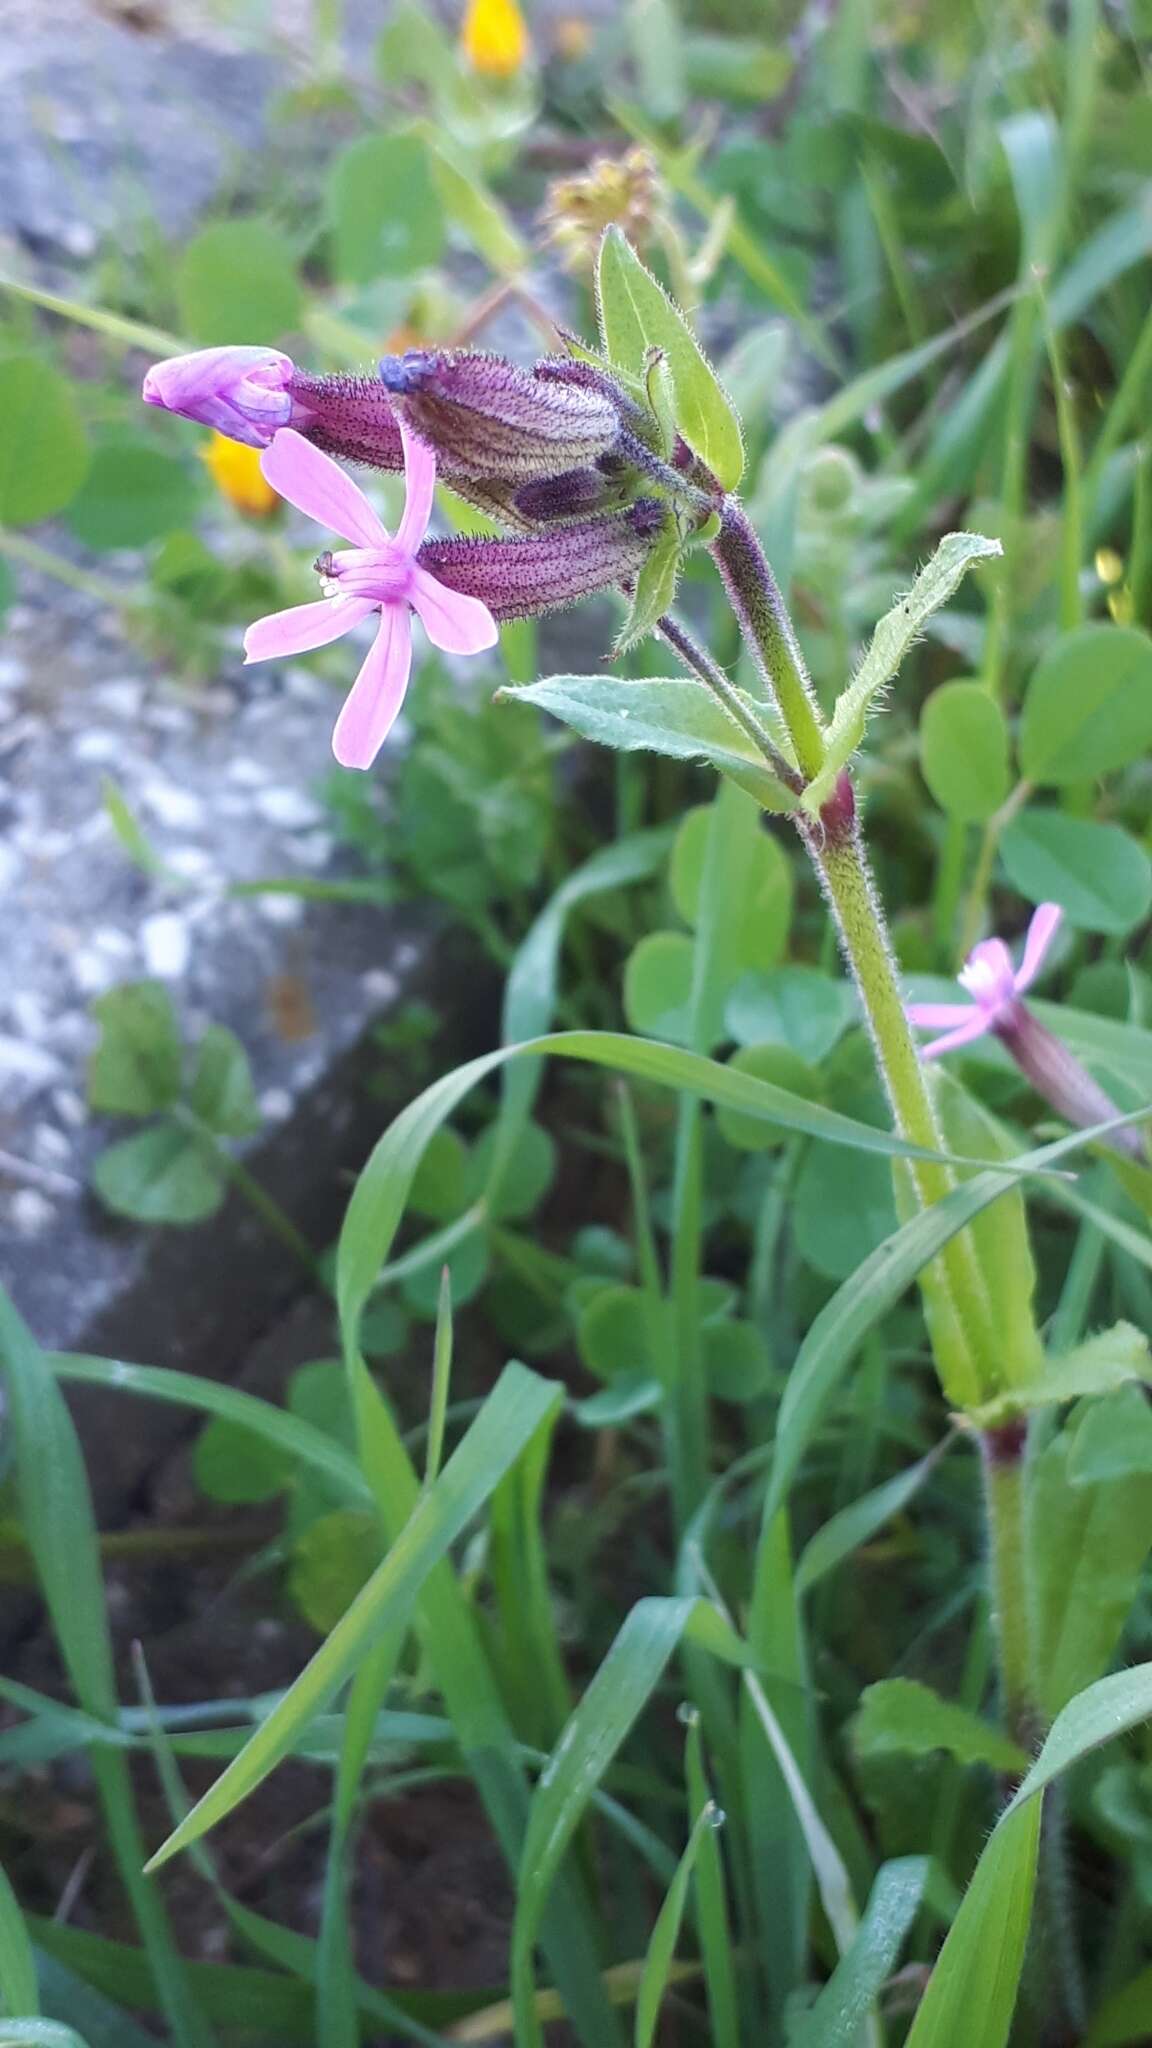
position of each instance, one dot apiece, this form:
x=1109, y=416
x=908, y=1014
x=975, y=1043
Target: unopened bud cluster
x=559, y=453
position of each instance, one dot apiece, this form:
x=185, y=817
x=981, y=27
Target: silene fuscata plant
x=605, y=468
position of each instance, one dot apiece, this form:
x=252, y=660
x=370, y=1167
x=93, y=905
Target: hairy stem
x=763, y=618
x=709, y=671
x=961, y=1319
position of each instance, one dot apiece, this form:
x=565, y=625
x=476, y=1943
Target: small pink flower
x=994, y=985
x=375, y=574
x=241, y=392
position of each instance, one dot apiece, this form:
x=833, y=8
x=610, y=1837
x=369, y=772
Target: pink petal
x=1041, y=933
x=419, y=487
x=315, y=484
x=937, y=1016
x=975, y=1027
x=304, y=626
x=458, y=624
x=376, y=696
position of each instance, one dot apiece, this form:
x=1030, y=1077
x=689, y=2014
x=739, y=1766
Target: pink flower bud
x=241, y=392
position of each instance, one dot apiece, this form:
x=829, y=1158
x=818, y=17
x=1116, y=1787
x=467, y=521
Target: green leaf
x=1088, y=710
x=332, y=1561
x=44, y=452
x=636, y=314
x=673, y=715
x=842, y=2007
x=238, y=277
x=738, y=1364
x=972, y=1991
x=1122, y=2020
x=964, y=751
x=467, y=201
x=440, y=1188
x=655, y=591
x=37, y=2033
x=1087, y=1543
x=306, y=1444
x=846, y=1530
x=1098, y=874
x=222, y=1092
x=512, y=1412
x=383, y=209
x=1002, y=1240
x=615, y=1335
x=658, y=987
x=765, y=887
x=19, y=1991
x=796, y=1007
x=841, y=1210
x=159, y=1176
x=522, y=1192
x=1097, y=1715
x=900, y=1717
x=1098, y=1366
x=656, y=42
x=890, y=643
x=237, y=1465
x=838, y=1330
x=133, y=493
x=136, y=1068
x=666, y=1933
x=619, y=1690
x=785, y=1069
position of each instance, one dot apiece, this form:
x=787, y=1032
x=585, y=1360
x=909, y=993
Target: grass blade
x=516, y=1406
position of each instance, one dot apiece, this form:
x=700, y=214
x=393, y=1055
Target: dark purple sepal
x=524, y=577
x=487, y=417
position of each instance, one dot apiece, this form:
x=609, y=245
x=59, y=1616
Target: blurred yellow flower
x=237, y=475
x=494, y=38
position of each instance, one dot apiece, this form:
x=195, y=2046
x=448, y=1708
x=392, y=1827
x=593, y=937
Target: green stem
x=961, y=1322
x=981, y=883
x=254, y=1194
x=19, y=548
x=701, y=663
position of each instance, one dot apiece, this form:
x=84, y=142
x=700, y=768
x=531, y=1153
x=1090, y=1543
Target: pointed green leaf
x=972, y=1991
x=842, y=2007
x=655, y=591
x=1098, y=1366
x=673, y=715
x=636, y=315
x=506, y=1422
x=890, y=643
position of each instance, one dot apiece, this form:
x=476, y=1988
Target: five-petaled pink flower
x=994, y=985
x=376, y=573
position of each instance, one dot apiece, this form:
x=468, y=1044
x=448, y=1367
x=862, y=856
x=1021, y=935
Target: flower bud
x=350, y=418
x=487, y=417
x=521, y=578
x=571, y=496
x=1057, y=1075
x=241, y=392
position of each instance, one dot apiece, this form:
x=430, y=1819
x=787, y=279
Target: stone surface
x=223, y=780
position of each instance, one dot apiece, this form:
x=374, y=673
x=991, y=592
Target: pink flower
x=241, y=392
x=994, y=985
x=375, y=574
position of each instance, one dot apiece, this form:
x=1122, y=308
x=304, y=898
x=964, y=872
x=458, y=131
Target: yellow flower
x=237, y=475
x=494, y=38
